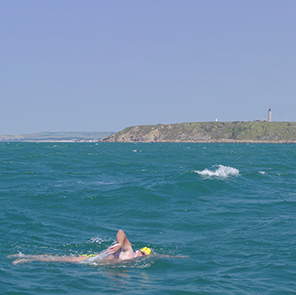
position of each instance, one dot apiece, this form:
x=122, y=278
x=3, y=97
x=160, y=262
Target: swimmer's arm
x=122, y=241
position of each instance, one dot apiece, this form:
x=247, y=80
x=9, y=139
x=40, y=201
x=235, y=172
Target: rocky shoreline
x=206, y=141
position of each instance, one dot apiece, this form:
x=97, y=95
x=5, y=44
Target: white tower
x=269, y=115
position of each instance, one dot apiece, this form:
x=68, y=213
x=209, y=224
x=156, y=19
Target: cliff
x=277, y=132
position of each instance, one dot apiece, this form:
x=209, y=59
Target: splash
x=102, y=260
x=221, y=171
x=95, y=259
x=99, y=240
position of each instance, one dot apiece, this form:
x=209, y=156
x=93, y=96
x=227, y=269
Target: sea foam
x=220, y=171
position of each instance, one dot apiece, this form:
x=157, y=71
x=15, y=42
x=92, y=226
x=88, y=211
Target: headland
x=215, y=132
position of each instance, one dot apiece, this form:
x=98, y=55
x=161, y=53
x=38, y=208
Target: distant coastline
x=199, y=132
x=56, y=137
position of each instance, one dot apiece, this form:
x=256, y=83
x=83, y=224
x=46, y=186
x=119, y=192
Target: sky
x=94, y=65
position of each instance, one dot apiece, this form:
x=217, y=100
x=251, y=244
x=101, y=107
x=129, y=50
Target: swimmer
x=122, y=250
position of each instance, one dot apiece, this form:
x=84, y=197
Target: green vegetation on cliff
x=209, y=132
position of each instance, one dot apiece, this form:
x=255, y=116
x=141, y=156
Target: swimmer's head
x=145, y=251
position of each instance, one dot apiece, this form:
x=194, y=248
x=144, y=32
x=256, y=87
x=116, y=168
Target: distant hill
x=277, y=132
x=57, y=136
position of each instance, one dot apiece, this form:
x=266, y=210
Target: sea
x=219, y=218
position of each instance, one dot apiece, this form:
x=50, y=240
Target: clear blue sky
x=92, y=65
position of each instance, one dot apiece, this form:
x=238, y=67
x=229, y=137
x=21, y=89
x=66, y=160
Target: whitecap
x=221, y=171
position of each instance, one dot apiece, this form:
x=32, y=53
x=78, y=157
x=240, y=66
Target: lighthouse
x=269, y=115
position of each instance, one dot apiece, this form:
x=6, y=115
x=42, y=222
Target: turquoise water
x=230, y=208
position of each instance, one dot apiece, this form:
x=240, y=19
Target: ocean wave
x=219, y=171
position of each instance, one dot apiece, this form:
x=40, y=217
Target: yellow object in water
x=146, y=250
x=89, y=255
